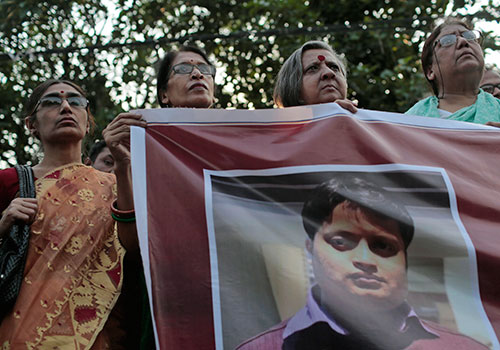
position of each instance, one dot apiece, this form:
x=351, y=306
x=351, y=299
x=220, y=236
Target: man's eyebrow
x=388, y=236
x=341, y=232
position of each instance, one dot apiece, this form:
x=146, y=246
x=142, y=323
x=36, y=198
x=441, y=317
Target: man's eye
x=341, y=243
x=384, y=248
x=109, y=163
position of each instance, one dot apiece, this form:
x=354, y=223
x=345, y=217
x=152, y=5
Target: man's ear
x=309, y=245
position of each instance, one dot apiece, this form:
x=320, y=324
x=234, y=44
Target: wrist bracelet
x=120, y=219
x=121, y=214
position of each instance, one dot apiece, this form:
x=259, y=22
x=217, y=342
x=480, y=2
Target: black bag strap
x=26, y=181
x=14, y=249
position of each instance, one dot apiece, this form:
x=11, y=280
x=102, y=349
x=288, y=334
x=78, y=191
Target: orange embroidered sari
x=73, y=273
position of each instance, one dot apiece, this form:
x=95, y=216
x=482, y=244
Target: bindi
x=321, y=58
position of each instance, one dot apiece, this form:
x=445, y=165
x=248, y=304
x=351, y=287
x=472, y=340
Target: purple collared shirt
x=312, y=313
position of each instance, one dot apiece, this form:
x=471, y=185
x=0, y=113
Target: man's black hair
x=319, y=206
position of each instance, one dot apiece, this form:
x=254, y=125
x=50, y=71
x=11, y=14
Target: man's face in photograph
x=359, y=260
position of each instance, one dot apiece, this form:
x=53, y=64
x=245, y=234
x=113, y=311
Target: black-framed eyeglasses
x=490, y=87
x=56, y=101
x=187, y=68
x=451, y=39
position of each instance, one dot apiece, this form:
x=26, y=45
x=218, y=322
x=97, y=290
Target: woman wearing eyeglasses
x=185, y=79
x=491, y=81
x=453, y=63
x=74, y=265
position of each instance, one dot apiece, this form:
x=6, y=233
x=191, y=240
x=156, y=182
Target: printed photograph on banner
x=362, y=256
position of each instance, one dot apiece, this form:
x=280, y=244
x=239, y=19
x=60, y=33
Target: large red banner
x=220, y=198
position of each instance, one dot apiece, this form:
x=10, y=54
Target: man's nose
x=363, y=258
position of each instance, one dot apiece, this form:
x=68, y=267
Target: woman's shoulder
x=9, y=186
x=107, y=177
x=426, y=107
x=8, y=173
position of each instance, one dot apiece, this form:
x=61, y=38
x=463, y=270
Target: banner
x=303, y=227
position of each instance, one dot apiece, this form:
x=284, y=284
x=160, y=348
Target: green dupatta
x=485, y=109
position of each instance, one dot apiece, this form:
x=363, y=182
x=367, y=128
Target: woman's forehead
x=453, y=28
x=491, y=77
x=188, y=57
x=318, y=55
x=61, y=89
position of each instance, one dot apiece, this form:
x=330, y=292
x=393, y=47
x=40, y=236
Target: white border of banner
x=139, y=180
x=290, y=115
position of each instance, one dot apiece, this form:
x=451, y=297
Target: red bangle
x=122, y=214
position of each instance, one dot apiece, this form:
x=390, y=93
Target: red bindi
x=321, y=57
x=62, y=92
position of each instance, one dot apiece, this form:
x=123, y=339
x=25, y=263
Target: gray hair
x=289, y=80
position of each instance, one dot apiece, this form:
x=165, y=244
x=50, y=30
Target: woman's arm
x=117, y=137
x=20, y=209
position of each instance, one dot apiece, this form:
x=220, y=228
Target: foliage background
x=111, y=49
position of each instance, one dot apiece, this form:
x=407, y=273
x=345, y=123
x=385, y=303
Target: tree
x=249, y=40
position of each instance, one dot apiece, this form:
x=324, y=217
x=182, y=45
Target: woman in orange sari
x=73, y=272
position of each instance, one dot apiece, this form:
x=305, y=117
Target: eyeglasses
x=187, y=68
x=490, y=87
x=451, y=39
x=56, y=101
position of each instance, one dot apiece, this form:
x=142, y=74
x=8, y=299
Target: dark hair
x=427, y=52
x=96, y=149
x=38, y=92
x=288, y=85
x=165, y=68
x=319, y=206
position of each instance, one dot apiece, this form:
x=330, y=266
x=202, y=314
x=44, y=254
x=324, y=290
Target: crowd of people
x=83, y=257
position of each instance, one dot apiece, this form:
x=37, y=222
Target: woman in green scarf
x=453, y=64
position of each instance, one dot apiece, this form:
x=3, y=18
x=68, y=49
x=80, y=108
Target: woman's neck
x=461, y=93
x=56, y=156
x=452, y=102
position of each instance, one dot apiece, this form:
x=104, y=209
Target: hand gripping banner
x=313, y=228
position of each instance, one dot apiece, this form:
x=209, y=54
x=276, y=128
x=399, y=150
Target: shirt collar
x=312, y=313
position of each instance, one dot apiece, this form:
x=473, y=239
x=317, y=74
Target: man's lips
x=367, y=281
